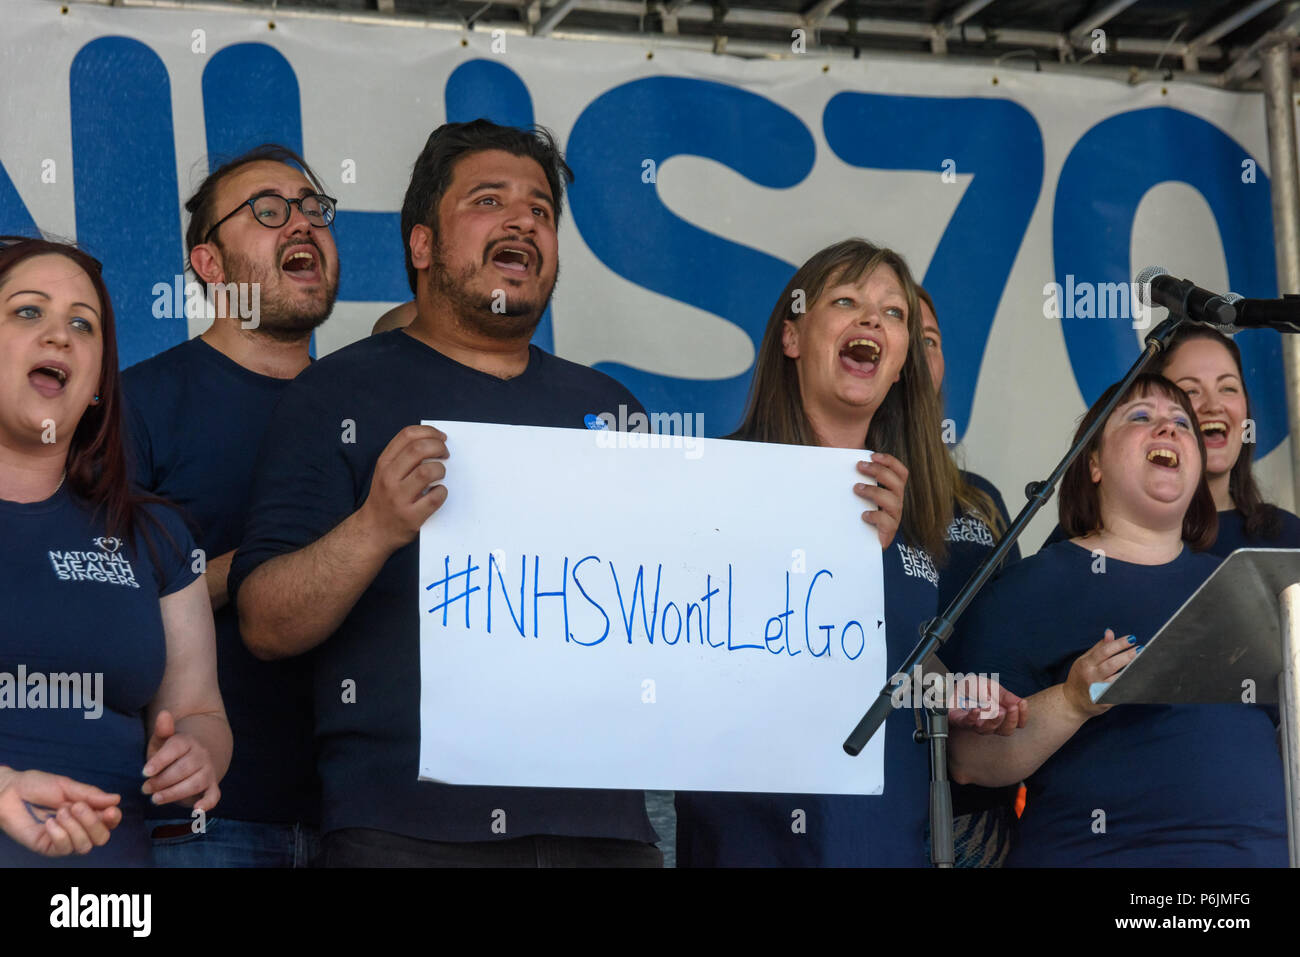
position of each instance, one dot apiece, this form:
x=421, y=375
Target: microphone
x=1184, y=298
x=1280, y=314
x=1229, y=313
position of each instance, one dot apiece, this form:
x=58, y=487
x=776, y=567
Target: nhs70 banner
x=702, y=182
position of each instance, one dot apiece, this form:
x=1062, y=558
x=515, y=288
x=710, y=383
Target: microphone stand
x=938, y=630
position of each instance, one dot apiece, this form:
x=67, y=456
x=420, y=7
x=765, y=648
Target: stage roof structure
x=1216, y=42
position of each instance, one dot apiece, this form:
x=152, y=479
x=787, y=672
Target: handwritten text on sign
x=616, y=611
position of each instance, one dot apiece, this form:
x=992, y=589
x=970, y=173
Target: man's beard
x=279, y=317
x=512, y=318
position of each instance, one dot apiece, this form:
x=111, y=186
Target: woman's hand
x=982, y=705
x=1102, y=662
x=55, y=815
x=887, y=494
x=189, y=744
x=179, y=767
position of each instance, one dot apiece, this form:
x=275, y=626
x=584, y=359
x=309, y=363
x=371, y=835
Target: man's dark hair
x=432, y=172
x=199, y=206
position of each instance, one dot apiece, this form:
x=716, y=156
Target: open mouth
x=1215, y=434
x=302, y=263
x=49, y=380
x=512, y=259
x=1166, y=458
x=860, y=355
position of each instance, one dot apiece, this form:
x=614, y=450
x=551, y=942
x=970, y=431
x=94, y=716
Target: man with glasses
x=259, y=238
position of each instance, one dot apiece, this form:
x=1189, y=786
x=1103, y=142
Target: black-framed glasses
x=273, y=210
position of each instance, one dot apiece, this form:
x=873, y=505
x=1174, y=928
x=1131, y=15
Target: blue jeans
x=230, y=843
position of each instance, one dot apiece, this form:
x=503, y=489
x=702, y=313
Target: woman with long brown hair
x=825, y=375
x=841, y=365
x=107, y=658
x=1207, y=366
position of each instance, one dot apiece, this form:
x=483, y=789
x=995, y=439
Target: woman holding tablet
x=1125, y=785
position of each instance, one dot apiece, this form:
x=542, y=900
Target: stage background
x=702, y=182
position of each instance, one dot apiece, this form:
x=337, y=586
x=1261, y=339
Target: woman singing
x=1207, y=366
x=1125, y=785
x=850, y=372
x=109, y=638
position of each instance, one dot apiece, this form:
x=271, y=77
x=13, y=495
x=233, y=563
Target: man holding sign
x=329, y=562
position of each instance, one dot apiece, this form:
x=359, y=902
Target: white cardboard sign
x=602, y=609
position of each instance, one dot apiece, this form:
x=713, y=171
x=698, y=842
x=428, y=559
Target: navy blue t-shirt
x=81, y=603
x=733, y=829
x=307, y=481
x=195, y=419
x=1057, y=535
x=1180, y=785
x=1232, y=534
x=969, y=541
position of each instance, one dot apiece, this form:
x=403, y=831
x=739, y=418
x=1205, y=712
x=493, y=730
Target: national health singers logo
x=106, y=564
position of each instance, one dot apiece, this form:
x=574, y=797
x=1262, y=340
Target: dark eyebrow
x=305, y=191
x=482, y=186
x=1226, y=375
x=1151, y=401
x=43, y=295
x=536, y=193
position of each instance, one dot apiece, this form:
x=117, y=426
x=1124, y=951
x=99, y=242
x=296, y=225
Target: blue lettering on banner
x=124, y=181
x=127, y=202
x=970, y=267
x=1110, y=169
x=635, y=235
